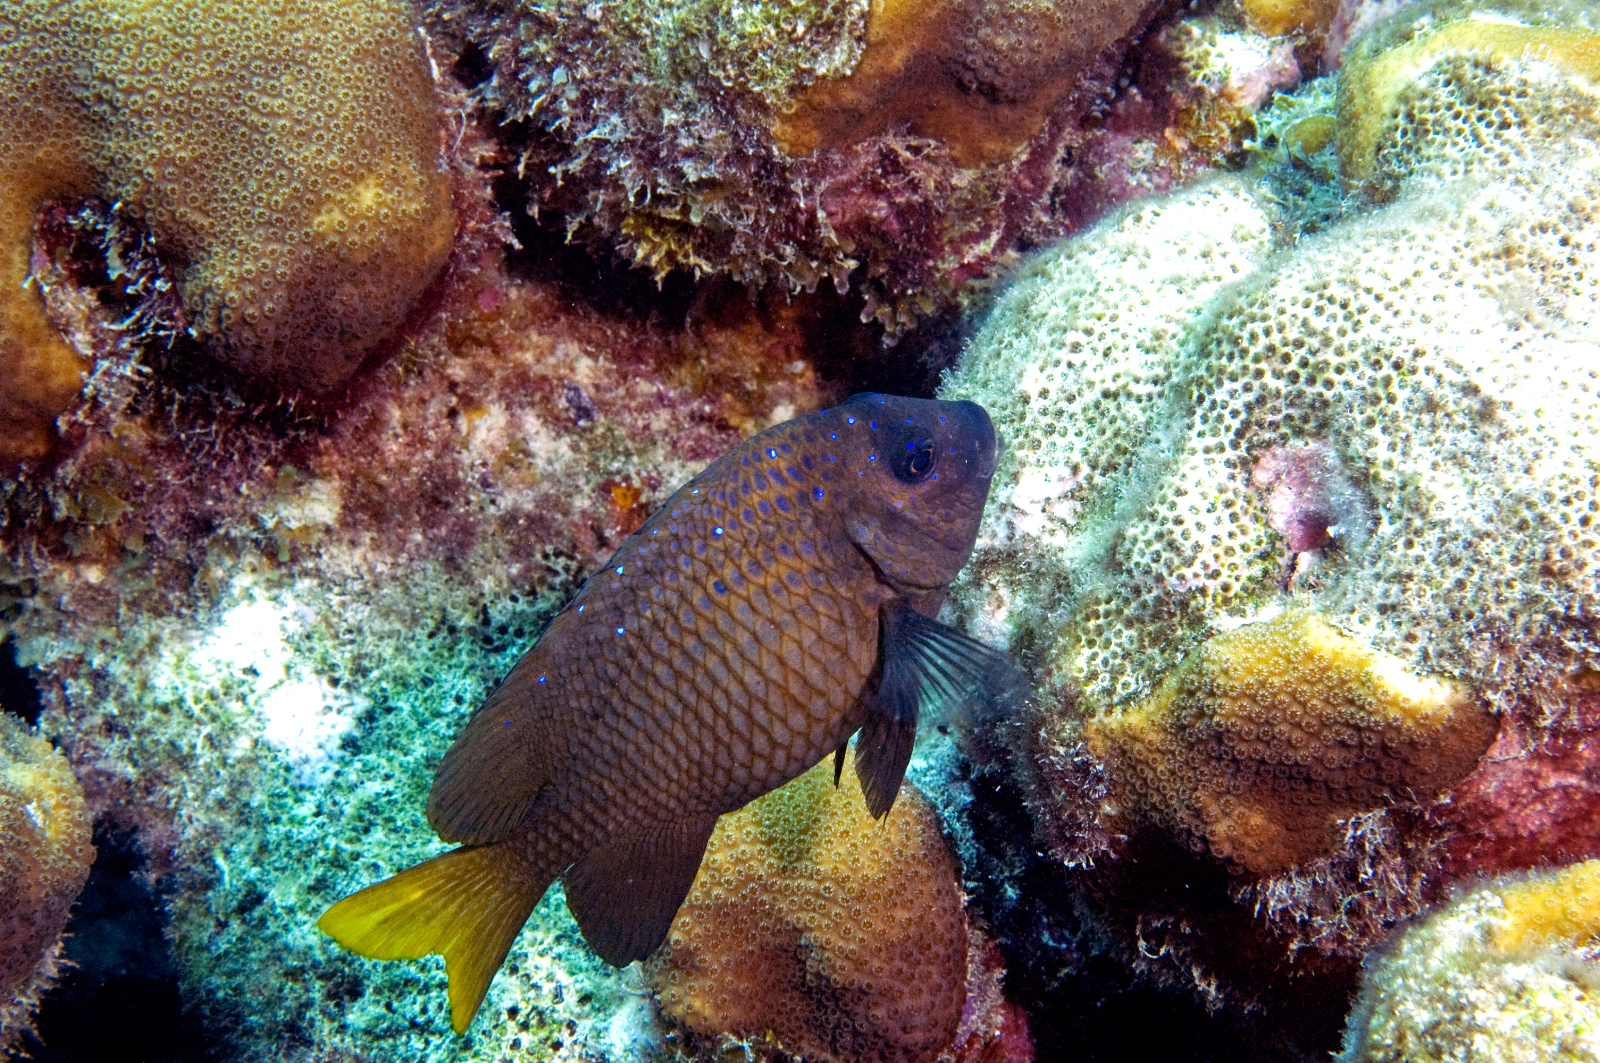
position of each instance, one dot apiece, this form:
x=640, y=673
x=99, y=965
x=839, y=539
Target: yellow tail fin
x=466, y=905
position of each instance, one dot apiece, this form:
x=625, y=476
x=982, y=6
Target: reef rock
x=904, y=148
x=831, y=936
x=286, y=158
x=44, y=861
x=1216, y=413
x=1506, y=973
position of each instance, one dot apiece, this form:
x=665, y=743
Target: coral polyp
x=297, y=190
x=44, y=861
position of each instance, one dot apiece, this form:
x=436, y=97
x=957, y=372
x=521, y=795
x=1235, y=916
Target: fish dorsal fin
x=625, y=893
x=497, y=765
x=927, y=667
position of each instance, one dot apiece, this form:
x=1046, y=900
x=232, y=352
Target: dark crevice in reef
x=19, y=694
x=119, y=1000
x=846, y=351
x=1083, y=1005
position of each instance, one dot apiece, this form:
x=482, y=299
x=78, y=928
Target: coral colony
x=341, y=343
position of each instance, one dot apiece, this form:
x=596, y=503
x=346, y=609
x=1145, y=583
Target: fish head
x=917, y=479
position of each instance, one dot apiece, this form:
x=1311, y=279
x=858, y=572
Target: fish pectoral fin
x=625, y=893
x=927, y=668
x=467, y=905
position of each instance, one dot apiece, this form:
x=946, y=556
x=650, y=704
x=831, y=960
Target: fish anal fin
x=927, y=668
x=625, y=893
x=496, y=767
x=467, y=905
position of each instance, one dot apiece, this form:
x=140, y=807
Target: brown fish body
x=737, y=638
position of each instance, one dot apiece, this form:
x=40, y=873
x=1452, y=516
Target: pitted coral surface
x=286, y=158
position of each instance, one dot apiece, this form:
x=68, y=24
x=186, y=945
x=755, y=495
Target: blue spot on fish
x=622, y=631
x=619, y=570
x=717, y=530
x=719, y=587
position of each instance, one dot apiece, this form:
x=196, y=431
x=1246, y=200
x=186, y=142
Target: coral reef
x=979, y=76
x=905, y=152
x=256, y=630
x=1388, y=416
x=1268, y=738
x=827, y=935
x=298, y=190
x=44, y=860
x=1399, y=80
x=1508, y=972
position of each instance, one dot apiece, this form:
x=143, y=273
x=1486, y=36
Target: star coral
x=830, y=935
x=1267, y=738
x=44, y=861
x=1398, y=390
x=1507, y=972
x=1393, y=80
x=296, y=186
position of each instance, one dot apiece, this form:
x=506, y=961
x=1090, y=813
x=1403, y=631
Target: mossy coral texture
x=285, y=157
x=1267, y=738
x=44, y=861
x=842, y=936
x=1504, y=974
x=898, y=148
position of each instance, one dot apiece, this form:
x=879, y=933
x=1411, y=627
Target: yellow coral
x=1278, y=17
x=1265, y=738
x=1558, y=909
x=287, y=153
x=979, y=75
x=841, y=936
x=1498, y=976
x=1382, y=69
x=44, y=860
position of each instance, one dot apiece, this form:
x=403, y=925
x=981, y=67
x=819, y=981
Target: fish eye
x=914, y=459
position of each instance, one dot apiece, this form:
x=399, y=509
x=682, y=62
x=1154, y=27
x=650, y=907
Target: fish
x=780, y=602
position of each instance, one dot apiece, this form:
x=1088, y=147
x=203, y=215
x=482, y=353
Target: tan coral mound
x=44, y=860
x=1266, y=738
x=842, y=936
x=286, y=154
x=979, y=76
x=1498, y=977
x=1388, y=77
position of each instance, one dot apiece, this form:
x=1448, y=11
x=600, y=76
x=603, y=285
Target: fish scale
x=773, y=606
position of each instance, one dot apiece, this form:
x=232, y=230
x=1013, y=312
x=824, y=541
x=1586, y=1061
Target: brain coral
x=901, y=145
x=842, y=936
x=44, y=861
x=285, y=155
x=1392, y=421
x=1506, y=973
